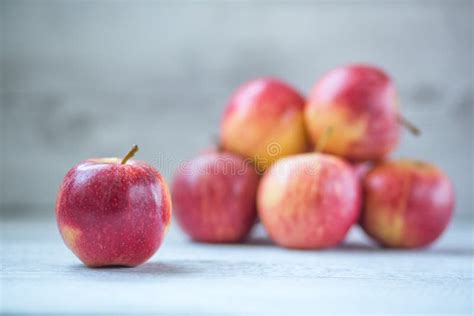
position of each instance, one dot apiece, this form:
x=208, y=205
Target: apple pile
x=310, y=168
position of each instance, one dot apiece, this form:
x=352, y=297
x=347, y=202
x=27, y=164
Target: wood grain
x=38, y=274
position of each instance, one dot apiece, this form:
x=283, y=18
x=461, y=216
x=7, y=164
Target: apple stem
x=409, y=125
x=130, y=154
x=322, y=142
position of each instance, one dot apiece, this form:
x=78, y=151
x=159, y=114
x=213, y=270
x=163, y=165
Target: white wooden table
x=38, y=274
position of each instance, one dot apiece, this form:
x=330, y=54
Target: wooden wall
x=89, y=78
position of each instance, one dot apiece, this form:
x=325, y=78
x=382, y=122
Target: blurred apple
x=361, y=169
x=264, y=121
x=214, y=197
x=359, y=103
x=408, y=203
x=309, y=201
x=113, y=211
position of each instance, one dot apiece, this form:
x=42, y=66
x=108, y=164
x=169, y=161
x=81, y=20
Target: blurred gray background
x=82, y=79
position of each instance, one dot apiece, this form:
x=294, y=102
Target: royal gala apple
x=264, y=121
x=214, y=197
x=359, y=103
x=361, y=169
x=113, y=211
x=407, y=203
x=309, y=201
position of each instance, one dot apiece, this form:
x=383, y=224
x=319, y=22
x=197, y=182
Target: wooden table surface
x=39, y=274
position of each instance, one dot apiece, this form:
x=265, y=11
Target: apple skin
x=264, y=121
x=361, y=169
x=214, y=197
x=408, y=203
x=112, y=214
x=309, y=201
x=359, y=103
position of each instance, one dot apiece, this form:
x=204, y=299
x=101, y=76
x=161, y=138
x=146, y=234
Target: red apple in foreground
x=408, y=203
x=359, y=103
x=113, y=211
x=214, y=197
x=309, y=201
x=264, y=121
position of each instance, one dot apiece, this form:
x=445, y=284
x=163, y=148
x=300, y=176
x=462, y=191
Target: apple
x=408, y=203
x=309, y=201
x=264, y=121
x=359, y=102
x=113, y=212
x=214, y=197
x=361, y=169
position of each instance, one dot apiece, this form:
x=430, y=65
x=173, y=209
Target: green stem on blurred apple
x=408, y=125
x=322, y=142
x=130, y=154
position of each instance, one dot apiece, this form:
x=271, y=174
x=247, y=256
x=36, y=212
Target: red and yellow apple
x=309, y=201
x=361, y=169
x=264, y=121
x=214, y=197
x=359, y=103
x=113, y=211
x=407, y=203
